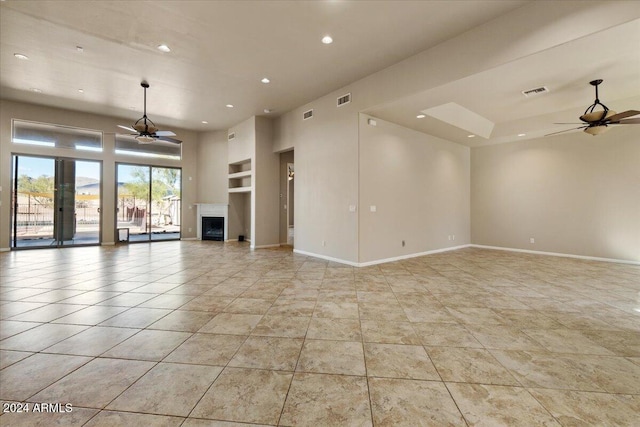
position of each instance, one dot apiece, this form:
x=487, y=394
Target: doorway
x=56, y=202
x=149, y=202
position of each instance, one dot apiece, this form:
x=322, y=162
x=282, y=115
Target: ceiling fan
x=145, y=130
x=597, y=122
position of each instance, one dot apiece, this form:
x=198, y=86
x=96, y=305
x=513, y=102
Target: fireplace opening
x=213, y=228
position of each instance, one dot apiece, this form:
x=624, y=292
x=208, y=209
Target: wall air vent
x=231, y=136
x=537, y=91
x=344, y=99
x=307, y=114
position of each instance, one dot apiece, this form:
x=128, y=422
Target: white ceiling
x=221, y=50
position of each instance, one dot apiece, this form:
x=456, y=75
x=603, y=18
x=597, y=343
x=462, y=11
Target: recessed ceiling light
x=36, y=90
x=20, y=56
x=265, y=80
x=164, y=48
x=327, y=40
x=522, y=134
x=420, y=116
x=266, y=110
x=81, y=90
x=471, y=136
x=204, y=122
x=229, y=105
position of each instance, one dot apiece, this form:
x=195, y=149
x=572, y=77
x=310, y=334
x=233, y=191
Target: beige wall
x=419, y=185
x=267, y=186
x=573, y=193
x=16, y=110
x=212, y=183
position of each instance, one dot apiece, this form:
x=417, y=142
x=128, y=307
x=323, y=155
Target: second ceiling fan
x=145, y=131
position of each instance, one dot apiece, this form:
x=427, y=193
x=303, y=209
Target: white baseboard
x=527, y=251
x=4, y=249
x=108, y=243
x=415, y=255
x=277, y=245
x=328, y=258
x=189, y=238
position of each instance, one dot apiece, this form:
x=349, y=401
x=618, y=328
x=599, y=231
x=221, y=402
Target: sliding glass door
x=56, y=202
x=149, y=202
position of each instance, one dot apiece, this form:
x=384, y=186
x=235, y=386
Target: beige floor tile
x=566, y=341
x=336, y=310
x=92, y=297
x=136, y=318
x=492, y=405
x=25, y=378
x=282, y=326
x=621, y=343
x=470, y=365
x=527, y=319
x=503, y=337
x=10, y=327
x=274, y=353
x=544, y=369
x=8, y=357
x=248, y=306
x=167, y=389
x=231, y=323
x=148, y=345
x=183, y=320
x=477, y=316
x=245, y=395
x=332, y=357
x=120, y=419
x=292, y=307
x=95, y=384
x=610, y=373
x=19, y=307
x=379, y=311
x=205, y=302
x=194, y=422
x=399, y=361
x=91, y=315
x=48, y=312
x=41, y=337
x=445, y=334
x=327, y=400
x=334, y=329
x=92, y=342
x=207, y=349
x=168, y=301
x=389, y=332
x=54, y=296
x=576, y=409
x=400, y=402
x=76, y=417
x=128, y=299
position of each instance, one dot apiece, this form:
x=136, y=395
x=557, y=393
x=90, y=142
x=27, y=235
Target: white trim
x=590, y=258
x=414, y=255
x=277, y=245
x=4, y=249
x=108, y=243
x=328, y=258
x=189, y=238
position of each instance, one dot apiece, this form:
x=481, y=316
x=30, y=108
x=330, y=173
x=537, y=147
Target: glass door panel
x=56, y=202
x=134, y=190
x=33, y=202
x=165, y=203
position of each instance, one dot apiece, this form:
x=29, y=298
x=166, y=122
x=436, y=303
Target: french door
x=56, y=202
x=148, y=202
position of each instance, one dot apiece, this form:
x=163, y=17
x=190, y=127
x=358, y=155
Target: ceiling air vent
x=307, y=114
x=231, y=136
x=537, y=91
x=344, y=99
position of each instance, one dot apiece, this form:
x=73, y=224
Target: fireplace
x=213, y=228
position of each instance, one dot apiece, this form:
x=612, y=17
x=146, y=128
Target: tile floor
x=209, y=334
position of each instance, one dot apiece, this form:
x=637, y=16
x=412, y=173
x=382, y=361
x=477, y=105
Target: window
x=55, y=136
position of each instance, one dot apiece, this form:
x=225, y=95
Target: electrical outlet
x=324, y=243
x=449, y=236
x=532, y=240
x=453, y=237
x=190, y=229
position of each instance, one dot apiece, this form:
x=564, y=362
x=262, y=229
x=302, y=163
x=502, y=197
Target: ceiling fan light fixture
x=596, y=130
x=596, y=116
x=144, y=139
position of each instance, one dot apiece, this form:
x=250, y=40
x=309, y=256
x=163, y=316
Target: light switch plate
x=352, y=208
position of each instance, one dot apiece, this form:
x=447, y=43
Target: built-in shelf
x=240, y=190
x=242, y=174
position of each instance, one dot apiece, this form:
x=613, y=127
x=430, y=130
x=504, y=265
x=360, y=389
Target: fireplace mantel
x=212, y=209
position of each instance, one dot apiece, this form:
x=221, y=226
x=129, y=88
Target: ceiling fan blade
x=565, y=123
x=165, y=133
x=566, y=130
x=167, y=139
x=130, y=129
x=623, y=115
x=627, y=122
